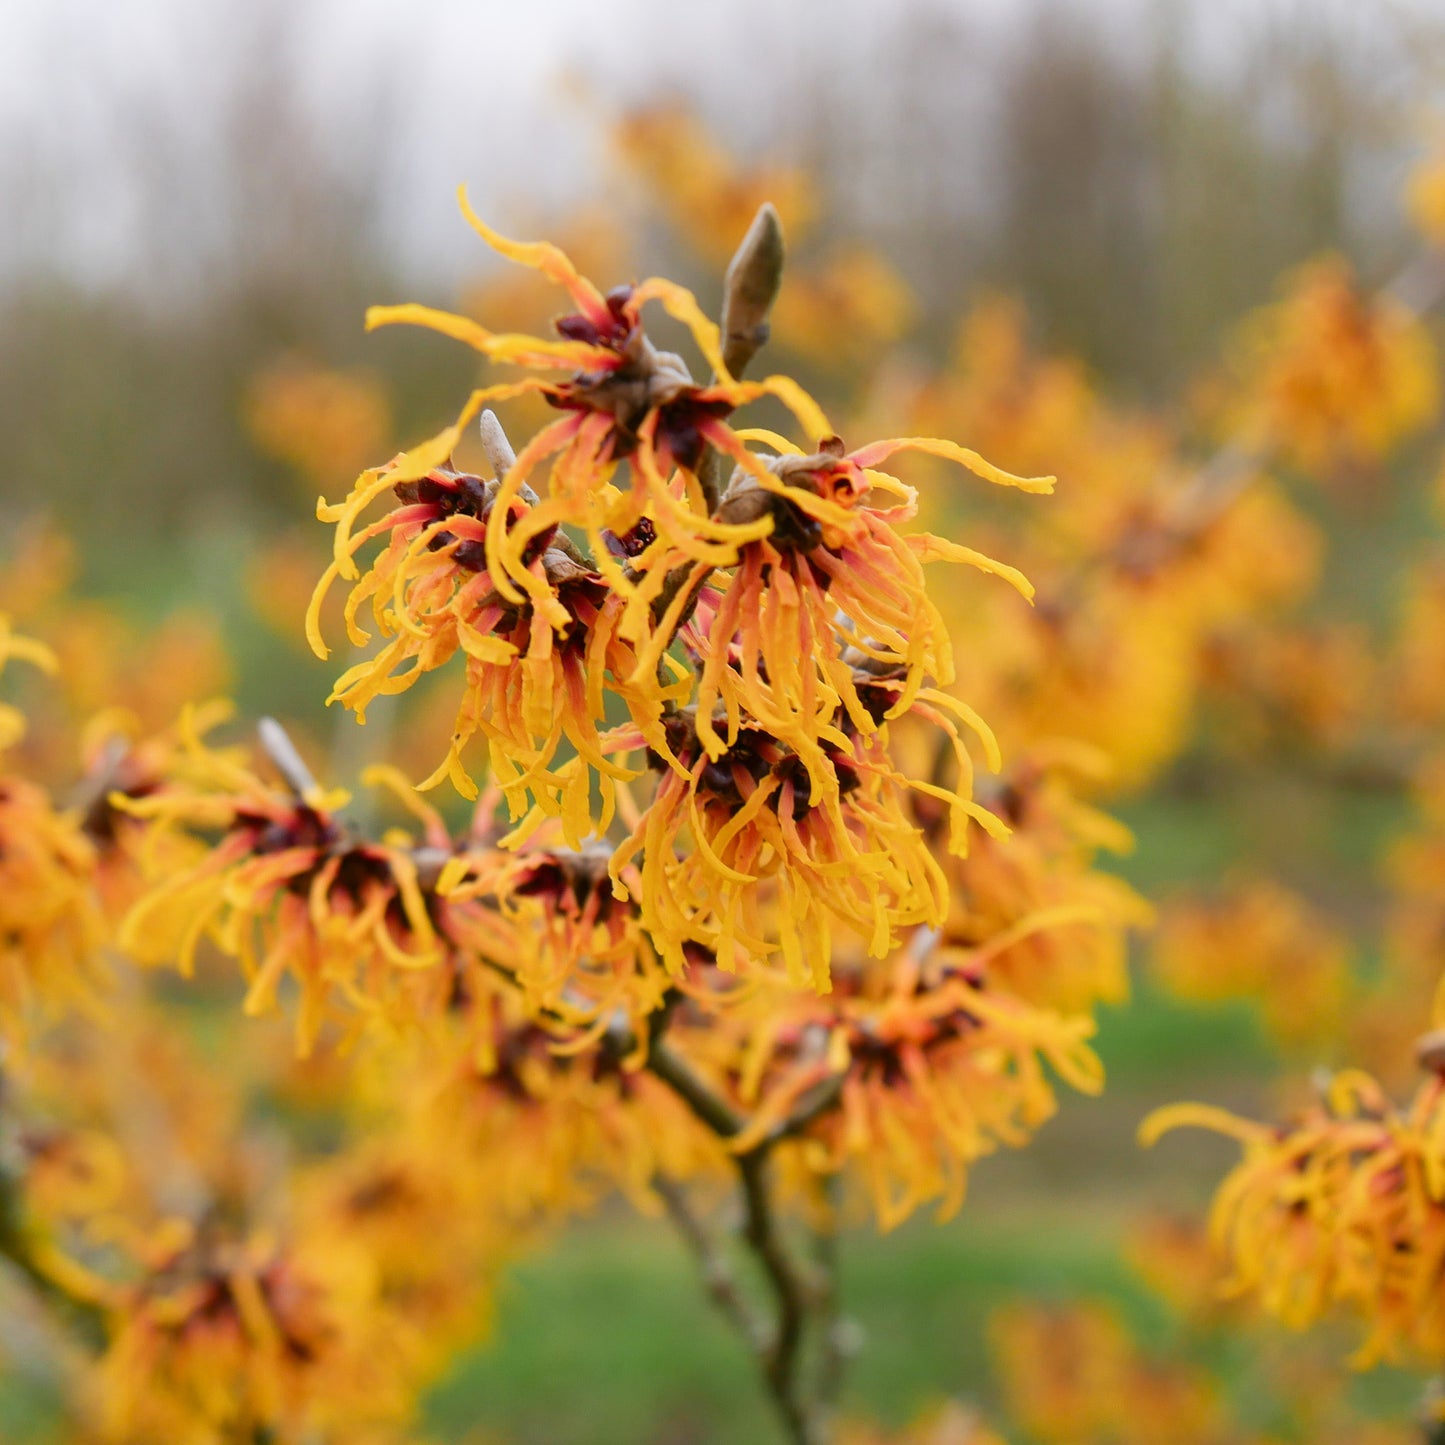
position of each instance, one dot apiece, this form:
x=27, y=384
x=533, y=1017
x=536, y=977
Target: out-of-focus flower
x=1051, y=926
x=1073, y=1376
x=286, y=891
x=1259, y=941
x=950, y=1424
x=14, y=647
x=325, y=424
x=547, y=1131
x=50, y=925
x=706, y=194
x=844, y=309
x=1425, y=197
x=1329, y=375
x=1340, y=1209
x=1172, y=1255
x=1419, y=654
x=39, y=565
x=1311, y=684
x=280, y=578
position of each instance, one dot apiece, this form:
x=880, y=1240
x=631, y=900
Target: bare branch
x=794, y=1295
x=718, y=1277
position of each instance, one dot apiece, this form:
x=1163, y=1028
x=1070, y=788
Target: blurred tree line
x=1139, y=184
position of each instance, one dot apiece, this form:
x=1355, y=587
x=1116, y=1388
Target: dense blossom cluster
x=782, y=871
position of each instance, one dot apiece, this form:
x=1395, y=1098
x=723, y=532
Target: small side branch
x=717, y=1275
x=792, y=1295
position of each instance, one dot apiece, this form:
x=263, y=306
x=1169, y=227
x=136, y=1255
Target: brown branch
x=794, y=1296
x=719, y=1279
x=797, y=1296
x=664, y=1063
x=1432, y=1412
x=840, y=1334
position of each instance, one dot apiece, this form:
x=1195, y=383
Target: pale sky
x=440, y=91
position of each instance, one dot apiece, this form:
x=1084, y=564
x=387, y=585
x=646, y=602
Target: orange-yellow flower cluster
x=1342, y=1209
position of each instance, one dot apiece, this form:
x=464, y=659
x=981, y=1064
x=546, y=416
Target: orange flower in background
x=705, y=192
x=51, y=928
x=1072, y=1374
x=1342, y=1209
x=287, y=891
x=950, y=1424
x=16, y=648
x=1261, y=942
x=1425, y=197
x=844, y=310
x=1330, y=375
x=326, y=425
x=1052, y=927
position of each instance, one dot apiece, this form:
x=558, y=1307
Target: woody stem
x=799, y=1299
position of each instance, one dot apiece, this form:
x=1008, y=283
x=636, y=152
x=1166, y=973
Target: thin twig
x=719, y=1279
x=792, y=1293
x=1432, y=1412
x=840, y=1334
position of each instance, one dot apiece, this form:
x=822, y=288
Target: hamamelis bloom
x=242, y=1339
x=835, y=585
x=546, y=1131
x=933, y=1070
x=1047, y=924
x=1425, y=196
x=286, y=890
x=551, y=920
x=1073, y=1373
x=534, y=674
x=736, y=857
x=420, y=1218
x=326, y=425
x=1330, y=375
x=950, y=1424
x=1343, y=1208
x=703, y=190
x=51, y=927
x=1259, y=941
x=622, y=399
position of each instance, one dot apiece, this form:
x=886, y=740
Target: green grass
x=606, y=1336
